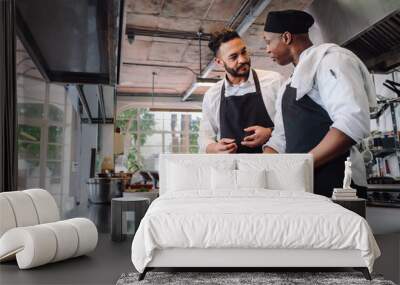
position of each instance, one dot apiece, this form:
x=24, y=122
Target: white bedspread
x=250, y=219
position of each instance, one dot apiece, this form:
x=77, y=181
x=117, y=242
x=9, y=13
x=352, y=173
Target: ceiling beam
x=144, y=94
x=84, y=102
x=124, y=94
x=121, y=32
x=100, y=96
x=161, y=65
x=174, y=110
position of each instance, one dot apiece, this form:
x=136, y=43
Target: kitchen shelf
x=384, y=152
x=391, y=187
x=382, y=204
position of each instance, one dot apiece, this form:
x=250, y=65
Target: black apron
x=239, y=112
x=306, y=124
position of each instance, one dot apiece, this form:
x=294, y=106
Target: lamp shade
x=118, y=143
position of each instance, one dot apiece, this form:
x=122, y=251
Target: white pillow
x=224, y=179
x=251, y=178
x=282, y=174
x=188, y=175
x=292, y=179
x=183, y=178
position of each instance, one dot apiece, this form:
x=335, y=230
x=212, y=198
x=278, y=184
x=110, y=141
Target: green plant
x=193, y=135
x=147, y=124
x=133, y=163
x=143, y=190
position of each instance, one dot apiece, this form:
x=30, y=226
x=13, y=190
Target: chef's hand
x=259, y=137
x=222, y=146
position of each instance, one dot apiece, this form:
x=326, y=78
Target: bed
x=247, y=211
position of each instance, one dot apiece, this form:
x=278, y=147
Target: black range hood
x=72, y=41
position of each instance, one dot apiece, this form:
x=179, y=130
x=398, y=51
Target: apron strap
x=256, y=83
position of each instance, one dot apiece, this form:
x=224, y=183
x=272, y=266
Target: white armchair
x=31, y=230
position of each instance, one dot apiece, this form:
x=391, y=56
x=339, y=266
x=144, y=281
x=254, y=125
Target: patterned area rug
x=243, y=278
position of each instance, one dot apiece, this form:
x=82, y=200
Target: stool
x=119, y=207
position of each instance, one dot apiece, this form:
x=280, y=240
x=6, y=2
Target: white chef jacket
x=210, y=130
x=343, y=87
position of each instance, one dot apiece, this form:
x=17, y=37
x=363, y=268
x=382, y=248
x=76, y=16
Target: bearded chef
x=323, y=108
x=238, y=111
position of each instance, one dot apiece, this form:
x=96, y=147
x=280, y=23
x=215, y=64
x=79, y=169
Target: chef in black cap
x=323, y=108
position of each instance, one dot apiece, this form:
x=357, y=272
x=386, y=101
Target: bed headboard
x=289, y=167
